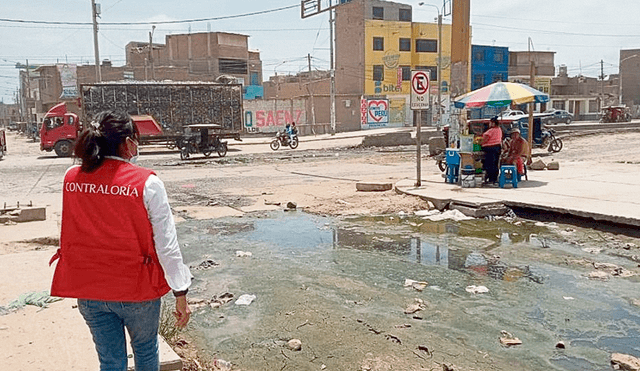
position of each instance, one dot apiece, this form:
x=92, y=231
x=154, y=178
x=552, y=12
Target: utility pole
x=438, y=107
x=153, y=74
x=532, y=83
x=28, y=96
x=332, y=72
x=309, y=62
x=602, y=83
x=95, y=10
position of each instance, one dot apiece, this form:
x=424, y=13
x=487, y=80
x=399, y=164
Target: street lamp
x=439, y=73
x=620, y=76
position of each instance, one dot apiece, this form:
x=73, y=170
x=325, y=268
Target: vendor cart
x=204, y=138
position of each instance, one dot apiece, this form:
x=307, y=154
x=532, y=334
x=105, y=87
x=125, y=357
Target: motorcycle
x=548, y=139
x=282, y=139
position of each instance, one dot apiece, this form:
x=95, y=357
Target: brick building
x=200, y=57
x=630, y=77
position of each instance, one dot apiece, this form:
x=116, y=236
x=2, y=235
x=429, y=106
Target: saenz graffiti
x=277, y=118
x=270, y=115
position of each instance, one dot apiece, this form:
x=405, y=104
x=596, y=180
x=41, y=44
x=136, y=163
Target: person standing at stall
x=492, y=145
x=118, y=252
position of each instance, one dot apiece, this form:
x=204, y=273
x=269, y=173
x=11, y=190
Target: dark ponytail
x=103, y=137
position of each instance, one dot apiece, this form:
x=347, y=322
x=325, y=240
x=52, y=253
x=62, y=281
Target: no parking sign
x=419, y=90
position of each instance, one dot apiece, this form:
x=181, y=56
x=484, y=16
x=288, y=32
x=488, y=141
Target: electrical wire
x=152, y=23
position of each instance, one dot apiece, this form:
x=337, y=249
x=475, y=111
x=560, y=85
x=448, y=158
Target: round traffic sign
x=420, y=83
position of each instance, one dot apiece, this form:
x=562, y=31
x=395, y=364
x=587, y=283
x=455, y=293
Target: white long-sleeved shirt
x=155, y=199
x=165, y=237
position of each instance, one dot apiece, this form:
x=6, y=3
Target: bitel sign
x=419, y=90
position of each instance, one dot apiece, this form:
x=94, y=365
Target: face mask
x=134, y=159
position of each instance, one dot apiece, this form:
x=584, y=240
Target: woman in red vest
x=118, y=252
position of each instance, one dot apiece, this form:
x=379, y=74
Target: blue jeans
x=107, y=320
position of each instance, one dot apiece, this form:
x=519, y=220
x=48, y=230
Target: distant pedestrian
x=118, y=250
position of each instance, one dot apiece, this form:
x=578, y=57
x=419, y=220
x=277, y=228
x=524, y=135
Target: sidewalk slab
x=603, y=192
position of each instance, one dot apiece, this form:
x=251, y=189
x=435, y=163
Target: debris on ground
x=509, y=340
x=243, y=254
x=245, y=299
x=294, y=344
x=39, y=299
x=416, y=285
x=476, y=289
x=205, y=265
x=416, y=306
x=625, y=362
x=291, y=205
x=435, y=215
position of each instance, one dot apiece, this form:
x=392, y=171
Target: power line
x=551, y=32
x=151, y=23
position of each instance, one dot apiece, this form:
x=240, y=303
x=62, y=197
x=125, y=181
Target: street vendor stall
x=470, y=154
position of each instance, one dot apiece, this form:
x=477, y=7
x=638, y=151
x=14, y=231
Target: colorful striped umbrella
x=501, y=94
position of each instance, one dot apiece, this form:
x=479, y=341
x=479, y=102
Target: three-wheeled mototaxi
x=204, y=138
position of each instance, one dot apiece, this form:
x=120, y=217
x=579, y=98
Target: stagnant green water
x=533, y=292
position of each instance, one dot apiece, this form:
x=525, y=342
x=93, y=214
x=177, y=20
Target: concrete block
x=373, y=187
x=553, y=165
x=29, y=214
x=481, y=211
x=538, y=165
x=169, y=360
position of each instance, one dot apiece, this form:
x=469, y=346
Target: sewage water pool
x=356, y=267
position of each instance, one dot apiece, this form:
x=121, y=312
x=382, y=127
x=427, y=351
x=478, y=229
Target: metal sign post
x=419, y=101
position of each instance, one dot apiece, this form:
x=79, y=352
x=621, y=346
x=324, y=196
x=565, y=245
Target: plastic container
x=479, y=179
x=466, y=143
x=467, y=178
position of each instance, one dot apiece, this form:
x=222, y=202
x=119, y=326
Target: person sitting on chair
x=517, y=151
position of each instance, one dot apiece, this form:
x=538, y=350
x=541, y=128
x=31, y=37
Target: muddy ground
x=347, y=306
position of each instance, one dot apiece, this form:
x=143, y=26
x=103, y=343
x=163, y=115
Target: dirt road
x=333, y=277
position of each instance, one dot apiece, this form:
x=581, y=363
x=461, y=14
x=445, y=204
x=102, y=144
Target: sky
x=581, y=32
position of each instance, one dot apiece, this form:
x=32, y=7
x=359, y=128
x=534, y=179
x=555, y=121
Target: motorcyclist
x=289, y=132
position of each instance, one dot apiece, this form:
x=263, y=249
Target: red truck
x=165, y=113
x=60, y=129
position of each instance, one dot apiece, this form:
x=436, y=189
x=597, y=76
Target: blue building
x=488, y=65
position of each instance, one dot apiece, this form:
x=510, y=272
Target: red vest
x=106, y=243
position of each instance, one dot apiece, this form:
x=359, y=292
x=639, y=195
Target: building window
x=478, y=81
x=497, y=77
x=404, y=15
x=404, y=45
x=406, y=73
x=433, y=71
x=478, y=56
x=232, y=66
x=426, y=46
x=378, y=12
x=378, y=43
x=498, y=57
x=378, y=73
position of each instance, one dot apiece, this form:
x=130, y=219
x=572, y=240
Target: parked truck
x=171, y=113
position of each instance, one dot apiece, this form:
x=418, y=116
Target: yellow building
x=378, y=44
x=393, y=49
